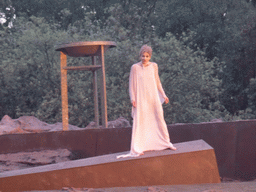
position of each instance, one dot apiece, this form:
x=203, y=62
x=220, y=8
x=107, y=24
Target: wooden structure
x=85, y=49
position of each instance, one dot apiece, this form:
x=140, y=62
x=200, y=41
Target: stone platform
x=193, y=162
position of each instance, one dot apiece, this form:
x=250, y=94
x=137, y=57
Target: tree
x=29, y=66
x=223, y=29
x=190, y=81
x=63, y=12
x=31, y=72
x=249, y=112
x=238, y=49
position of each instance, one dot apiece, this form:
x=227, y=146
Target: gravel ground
x=249, y=186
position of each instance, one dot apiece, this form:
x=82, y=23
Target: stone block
x=222, y=137
x=246, y=151
x=193, y=162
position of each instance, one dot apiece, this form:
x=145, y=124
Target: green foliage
x=238, y=52
x=186, y=37
x=224, y=29
x=30, y=67
x=32, y=82
x=63, y=12
x=190, y=82
x=250, y=111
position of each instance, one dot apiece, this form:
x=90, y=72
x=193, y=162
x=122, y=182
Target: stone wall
x=233, y=142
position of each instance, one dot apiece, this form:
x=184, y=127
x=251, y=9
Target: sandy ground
x=249, y=186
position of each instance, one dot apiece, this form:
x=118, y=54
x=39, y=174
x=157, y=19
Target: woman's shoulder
x=154, y=64
x=135, y=65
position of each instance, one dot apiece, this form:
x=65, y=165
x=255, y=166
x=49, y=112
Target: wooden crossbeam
x=83, y=68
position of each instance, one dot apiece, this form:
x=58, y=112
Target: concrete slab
x=223, y=138
x=113, y=140
x=82, y=143
x=184, y=132
x=194, y=162
x=245, y=150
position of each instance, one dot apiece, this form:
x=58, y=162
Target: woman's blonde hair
x=146, y=49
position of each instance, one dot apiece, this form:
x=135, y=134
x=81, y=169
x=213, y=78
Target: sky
x=3, y=20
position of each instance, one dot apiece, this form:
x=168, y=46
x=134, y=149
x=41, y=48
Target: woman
x=149, y=130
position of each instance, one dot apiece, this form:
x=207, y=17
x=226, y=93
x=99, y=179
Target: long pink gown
x=149, y=131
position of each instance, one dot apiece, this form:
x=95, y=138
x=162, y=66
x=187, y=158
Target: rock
x=227, y=180
x=91, y=125
x=118, y=123
x=25, y=124
x=58, y=127
x=8, y=126
x=21, y=160
x=179, y=123
x=29, y=124
x=216, y=120
x=5, y=120
x=69, y=189
x=32, y=124
x=155, y=189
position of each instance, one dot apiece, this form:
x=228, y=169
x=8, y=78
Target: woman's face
x=145, y=57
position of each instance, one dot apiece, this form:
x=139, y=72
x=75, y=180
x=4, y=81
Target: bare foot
x=173, y=148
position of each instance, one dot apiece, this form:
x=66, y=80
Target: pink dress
x=149, y=131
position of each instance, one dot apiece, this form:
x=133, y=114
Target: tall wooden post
x=64, y=91
x=95, y=93
x=84, y=49
x=104, y=117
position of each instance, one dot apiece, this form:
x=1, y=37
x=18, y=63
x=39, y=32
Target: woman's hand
x=166, y=100
x=133, y=103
